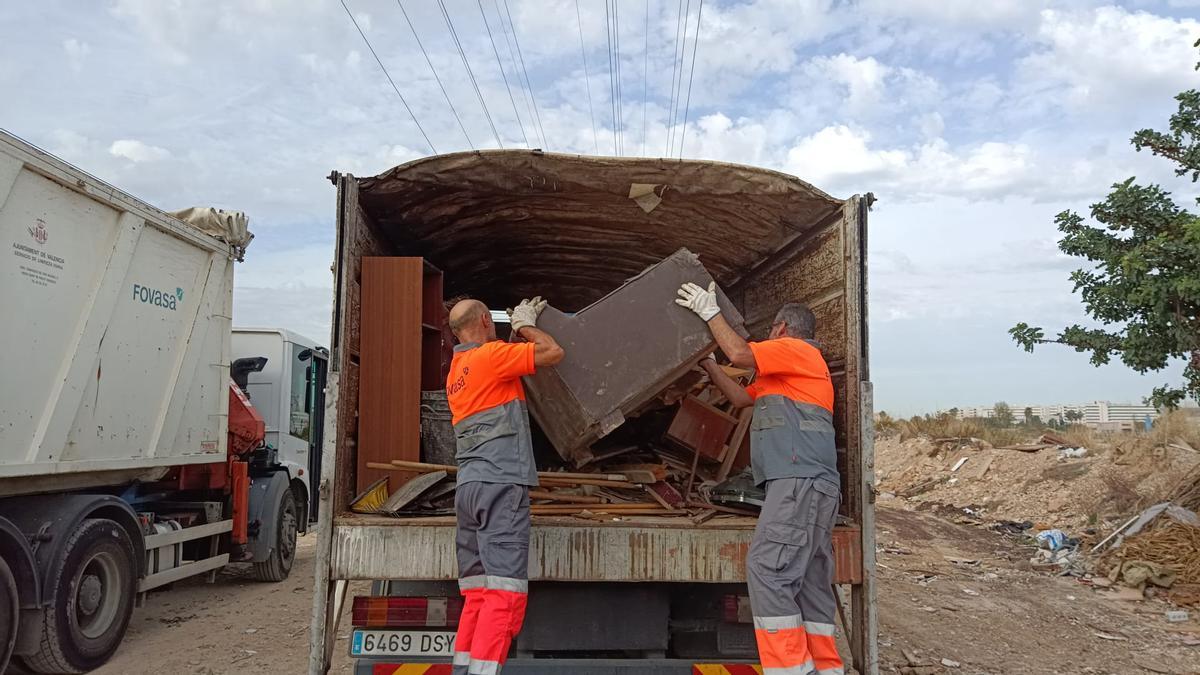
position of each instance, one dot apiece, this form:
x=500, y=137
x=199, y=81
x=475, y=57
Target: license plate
x=401, y=643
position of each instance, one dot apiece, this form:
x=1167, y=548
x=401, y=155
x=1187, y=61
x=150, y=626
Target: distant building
x=1097, y=414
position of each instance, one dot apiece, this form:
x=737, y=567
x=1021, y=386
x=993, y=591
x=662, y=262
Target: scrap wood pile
x=640, y=432
x=1160, y=547
x=681, y=471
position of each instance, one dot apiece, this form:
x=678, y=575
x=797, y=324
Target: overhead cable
x=612, y=80
x=470, y=73
x=521, y=84
x=433, y=70
x=500, y=64
x=388, y=76
x=688, y=103
x=517, y=41
x=586, y=80
x=676, y=68
x=617, y=60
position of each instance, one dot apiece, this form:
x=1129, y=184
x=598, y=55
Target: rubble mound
x=1049, y=484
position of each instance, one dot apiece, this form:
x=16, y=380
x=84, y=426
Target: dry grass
x=1079, y=436
x=1176, y=425
x=945, y=426
x=1120, y=495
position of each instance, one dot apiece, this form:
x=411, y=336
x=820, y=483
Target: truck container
x=634, y=595
x=128, y=458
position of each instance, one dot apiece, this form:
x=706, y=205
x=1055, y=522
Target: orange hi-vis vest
x=791, y=433
x=487, y=407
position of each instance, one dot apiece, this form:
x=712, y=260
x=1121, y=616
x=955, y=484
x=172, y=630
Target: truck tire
x=278, y=565
x=93, y=591
x=10, y=614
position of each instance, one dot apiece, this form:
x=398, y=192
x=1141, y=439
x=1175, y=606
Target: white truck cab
x=286, y=392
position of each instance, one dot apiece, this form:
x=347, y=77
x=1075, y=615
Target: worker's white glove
x=700, y=301
x=526, y=313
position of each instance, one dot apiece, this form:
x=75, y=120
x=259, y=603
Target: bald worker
x=789, y=567
x=495, y=471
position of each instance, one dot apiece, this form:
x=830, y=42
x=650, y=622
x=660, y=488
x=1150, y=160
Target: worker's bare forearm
x=728, y=386
x=546, y=351
x=734, y=345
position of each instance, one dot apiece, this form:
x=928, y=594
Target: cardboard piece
x=621, y=351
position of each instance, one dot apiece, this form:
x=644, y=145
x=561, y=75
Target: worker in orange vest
x=495, y=471
x=789, y=567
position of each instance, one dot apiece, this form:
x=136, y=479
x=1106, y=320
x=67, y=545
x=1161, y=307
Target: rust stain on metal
x=736, y=554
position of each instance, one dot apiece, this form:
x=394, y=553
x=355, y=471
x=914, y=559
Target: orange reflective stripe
x=824, y=651
x=782, y=647
x=411, y=669
x=726, y=669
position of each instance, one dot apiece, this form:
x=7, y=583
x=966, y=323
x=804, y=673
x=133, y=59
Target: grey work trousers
x=789, y=570
x=492, y=546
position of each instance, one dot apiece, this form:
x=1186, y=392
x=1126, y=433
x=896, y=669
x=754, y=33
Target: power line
x=612, y=81
x=687, y=11
x=645, y=76
x=388, y=76
x=522, y=85
x=688, y=103
x=528, y=84
x=675, y=67
x=454, y=110
x=617, y=59
x=470, y=73
x=511, y=98
x=586, y=80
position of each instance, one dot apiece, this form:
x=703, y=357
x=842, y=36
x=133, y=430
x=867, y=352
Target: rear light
x=389, y=612
x=737, y=609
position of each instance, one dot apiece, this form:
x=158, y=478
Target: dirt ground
x=236, y=625
x=946, y=591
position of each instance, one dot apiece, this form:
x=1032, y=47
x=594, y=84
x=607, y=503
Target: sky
x=973, y=123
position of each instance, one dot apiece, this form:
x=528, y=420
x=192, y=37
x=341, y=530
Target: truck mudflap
x=573, y=666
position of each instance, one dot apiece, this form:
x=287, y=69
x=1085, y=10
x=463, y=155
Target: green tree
x=1003, y=414
x=1073, y=415
x=1143, y=284
x=1028, y=415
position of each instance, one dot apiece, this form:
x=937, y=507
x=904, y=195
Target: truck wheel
x=93, y=589
x=278, y=565
x=10, y=613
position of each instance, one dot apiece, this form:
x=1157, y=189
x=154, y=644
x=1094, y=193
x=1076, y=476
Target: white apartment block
x=1094, y=413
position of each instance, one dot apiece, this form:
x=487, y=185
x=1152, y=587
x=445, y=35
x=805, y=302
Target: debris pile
x=689, y=461
x=639, y=433
x=1160, y=548
x=1050, y=487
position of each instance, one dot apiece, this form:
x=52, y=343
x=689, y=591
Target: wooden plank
x=433, y=316
x=667, y=493
x=389, y=381
x=701, y=427
x=560, y=497
x=735, y=443
x=546, y=479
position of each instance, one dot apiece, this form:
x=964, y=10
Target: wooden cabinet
x=402, y=352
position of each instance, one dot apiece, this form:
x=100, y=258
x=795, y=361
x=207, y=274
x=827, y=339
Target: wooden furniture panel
x=390, y=374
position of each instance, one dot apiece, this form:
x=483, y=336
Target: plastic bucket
x=437, y=434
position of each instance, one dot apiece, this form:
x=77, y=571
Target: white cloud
x=992, y=14
x=867, y=87
x=1110, y=57
x=137, y=151
x=77, y=52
